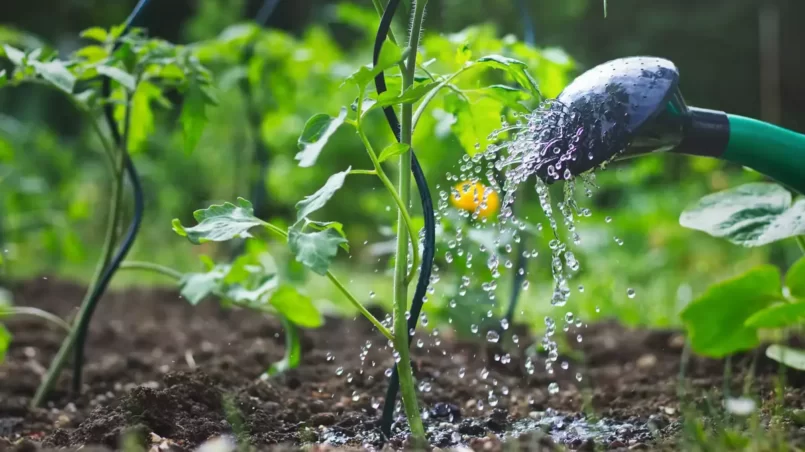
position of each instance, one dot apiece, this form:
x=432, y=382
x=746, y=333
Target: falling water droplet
x=492, y=336
x=630, y=293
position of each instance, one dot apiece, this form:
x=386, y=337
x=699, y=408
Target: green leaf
x=507, y=95
x=118, y=75
x=791, y=357
x=298, y=308
x=317, y=200
x=3, y=78
x=5, y=341
x=95, y=33
x=14, y=55
x=795, y=279
x=293, y=350
x=393, y=150
x=253, y=297
x=142, y=123
x=315, y=250
x=193, y=117
x=195, y=287
x=220, y=222
x=317, y=131
x=781, y=315
x=57, y=74
x=516, y=69
x=475, y=121
x=750, y=215
x=409, y=96
x=715, y=321
x=390, y=55
x=338, y=227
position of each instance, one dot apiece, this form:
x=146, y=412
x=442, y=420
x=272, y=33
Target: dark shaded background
x=716, y=43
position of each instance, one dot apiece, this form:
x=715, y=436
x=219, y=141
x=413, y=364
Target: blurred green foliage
x=271, y=80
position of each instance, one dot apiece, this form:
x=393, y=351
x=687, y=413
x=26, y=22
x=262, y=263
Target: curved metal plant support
x=75, y=341
x=426, y=267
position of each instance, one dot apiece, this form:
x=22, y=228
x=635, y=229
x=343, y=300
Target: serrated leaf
x=255, y=297
x=750, y=215
x=409, y=96
x=317, y=131
x=338, y=227
x=220, y=222
x=119, y=75
x=315, y=250
x=195, y=287
x=293, y=350
x=791, y=357
x=57, y=74
x=715, y=321
x=5, y=341
x=193, y=117
x=390, y=55
x=516, y=69
x=795, y=279
x=317, y=200
x=142, y=123
x=297, y=308
x=95, y=33
x=14, y=55
x=781, y=315
x=393, y=150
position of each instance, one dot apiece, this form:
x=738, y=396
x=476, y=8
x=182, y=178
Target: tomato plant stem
x=801, y=242
x=401, y=261
x=341, y=287
x=152, y=267
x=60, y=360
x=35, y=312
x=401, y=207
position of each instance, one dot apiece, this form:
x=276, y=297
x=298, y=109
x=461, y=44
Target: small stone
x=647, y=361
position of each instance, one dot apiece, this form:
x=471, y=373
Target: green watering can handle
x=771, y=150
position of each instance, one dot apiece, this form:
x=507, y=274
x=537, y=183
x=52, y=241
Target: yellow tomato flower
x=473, y=195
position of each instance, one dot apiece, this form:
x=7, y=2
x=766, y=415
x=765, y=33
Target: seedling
x=136, y=72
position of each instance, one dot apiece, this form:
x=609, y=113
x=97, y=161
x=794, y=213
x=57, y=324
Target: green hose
x=771, y=150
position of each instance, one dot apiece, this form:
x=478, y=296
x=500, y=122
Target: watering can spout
x=650, y=115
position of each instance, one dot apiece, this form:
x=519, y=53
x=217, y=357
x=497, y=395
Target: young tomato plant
x=114, y=82
x=732, y=316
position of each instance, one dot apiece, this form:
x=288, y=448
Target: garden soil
x=172, y=376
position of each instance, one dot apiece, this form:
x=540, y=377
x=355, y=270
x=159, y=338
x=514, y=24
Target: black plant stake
x=139, y=207
x=427, y=212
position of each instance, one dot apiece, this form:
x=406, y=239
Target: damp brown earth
x=175, y=376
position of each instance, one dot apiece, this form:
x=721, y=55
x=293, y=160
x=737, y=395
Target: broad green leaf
x=338, y=227
x=118, y=75
x=317, y=131
x=57, y=74
x=409, y=96
x=317, y=200
x=316, y=250
x=193, y=117
x=795, y=279
x=791, y=357
x=3, y=78
x=293, y=350
x=298, y=308
x=715, y=321
x=5, y=341
x=142, y=123
x=14, y=55
x=390, y=55
x=95, y=33
x=220, y=222
x=254, y=297
x=393, y=150
x=516, y=69
x=507, y=95
x=750, y=215
x=194, y=287
x=474, y=121
x=781, y=315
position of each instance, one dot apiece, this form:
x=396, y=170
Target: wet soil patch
x=176, y=376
